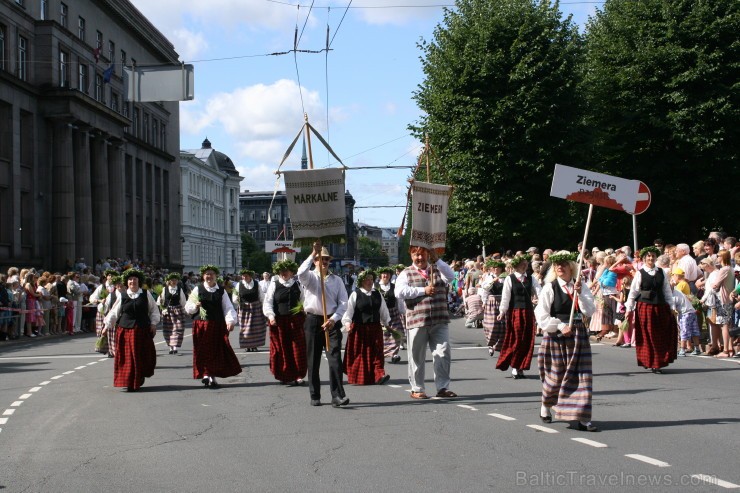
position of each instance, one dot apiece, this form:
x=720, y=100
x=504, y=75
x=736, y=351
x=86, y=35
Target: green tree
x=372, y=252
x=501, y=104
x=661, y=81
x=253, y=258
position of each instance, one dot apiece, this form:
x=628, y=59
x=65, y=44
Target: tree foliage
x=253, y=258
x=372, y=252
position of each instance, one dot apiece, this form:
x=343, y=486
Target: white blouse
x=385, y=318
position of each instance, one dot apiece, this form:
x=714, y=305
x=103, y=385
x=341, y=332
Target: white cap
x=63, y=300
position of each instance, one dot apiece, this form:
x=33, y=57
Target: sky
x=358, y=96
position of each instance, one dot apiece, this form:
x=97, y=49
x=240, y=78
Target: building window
x=251, y=215
x=111, y=51
x=81, y=28
x=114, y=101
x=82, y=80
x=136, y=122
x=2, y=47
x=155, y=132
x=99, y=87
x=163, y=137
x=123, y=60
x=275, y=213
x=263, y=233
x=63, y=69
x=146, y=127
x=21, y=70
x=44, y=9
x=124, y=106
x=63, y=15
x=19, y=2
x=263, y=215
x=98, y=41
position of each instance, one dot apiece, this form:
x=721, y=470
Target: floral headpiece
x=519, y=259
x=172, y=275
x=278, y=267
x=133, y=273
x=246, y=272
x=493, y=263
x=110, y=272
x=385, y=270
x=400, y=267
x=650, y=249
x=208, y=267
x=562, y=256
x=116, y=280
x=362, y=275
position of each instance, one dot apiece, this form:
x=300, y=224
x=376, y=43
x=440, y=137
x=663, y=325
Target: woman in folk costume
x=248, y=298
x=99, y=297
x=493, y=285
x=135, y=315
x=215, y=319
x=518, y=311
x=564, y=358
x=172, y=300
x=118, y=287
x=366, y=311
x=284, y=312
x=650, y=305
x=393, y=332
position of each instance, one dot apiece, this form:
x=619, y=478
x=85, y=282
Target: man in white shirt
x=336, y=304
x=686, y=262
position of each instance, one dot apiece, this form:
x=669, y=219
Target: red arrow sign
x=643, y=199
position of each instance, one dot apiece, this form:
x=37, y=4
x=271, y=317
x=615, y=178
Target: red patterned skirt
x=656, y=335
x=493, y=330
x=516, y=350
x=212, y=353
x=363, y=354
x=253, y=325
x=135, y=357
x=173, y=326
x=288, y=348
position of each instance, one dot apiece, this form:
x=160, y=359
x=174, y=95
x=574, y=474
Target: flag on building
x=108, y=74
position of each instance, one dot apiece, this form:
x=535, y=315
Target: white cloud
x=259, y=177
x=388, y=12
x=188, y=44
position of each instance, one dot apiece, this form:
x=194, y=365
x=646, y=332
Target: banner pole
x=634, y=235
x=580, y=263
x=426, y=152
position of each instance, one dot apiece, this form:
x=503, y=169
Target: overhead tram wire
x=295, y=53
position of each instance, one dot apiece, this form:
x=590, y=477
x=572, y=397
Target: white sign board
x=316, y=205
x=429, y=203
x=160, y=83
x=595, y=188
x=271, y=246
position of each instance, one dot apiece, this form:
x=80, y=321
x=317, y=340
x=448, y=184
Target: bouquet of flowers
x=195, y=298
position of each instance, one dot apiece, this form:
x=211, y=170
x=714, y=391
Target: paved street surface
x=66, y=429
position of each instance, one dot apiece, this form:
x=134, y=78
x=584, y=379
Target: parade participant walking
x=119, y=287
x=493, y=327
x=564, y=358
x=135, y=316
x=393, y=333
x=248, y=298
x=282, y=308
x=366, y=311
x=651, y=305
x=336, y=304
x=173, y=300
x=215, y=319
x=99, y=297
x=422, y=287
x=517, y=293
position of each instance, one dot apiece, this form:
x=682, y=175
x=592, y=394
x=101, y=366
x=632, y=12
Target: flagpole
x=321, y=263
x=580, y=264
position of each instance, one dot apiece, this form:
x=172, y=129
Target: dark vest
x=248, y=295
x=389, y=296
x=61, y=289
x=171, y=299
x=285, y=298
x=211, y=303
x=521, y=293
x=497, y=288
x=367, y=308
x=134, y=311
x=112, y=298
x=561, y=303
x=651, y=287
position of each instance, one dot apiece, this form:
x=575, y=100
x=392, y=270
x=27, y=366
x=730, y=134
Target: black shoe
x=383, y=379
x=657, y=371
x=124, y=389
x=172, y=351
x=589, y=427
x=214, y=384
x=395, y=358
x=315, y=402
x=546, y=419
x=206, y=381
x=339, y=401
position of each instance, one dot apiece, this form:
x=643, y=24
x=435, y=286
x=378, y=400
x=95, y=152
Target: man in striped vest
x=423, y=289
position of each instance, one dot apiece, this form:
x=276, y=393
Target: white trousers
x=437, y=337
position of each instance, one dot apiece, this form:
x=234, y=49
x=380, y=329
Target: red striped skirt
x=135, y=357
x=212, y=353
x=173, y=326
x=391, y=345
x=99, y=322
x=253, y=325
x=656, y=335
x=566, y=375
x=363, y=354
x=493, y=330
x=112, y=340
x=518, y=344
x=288, y=348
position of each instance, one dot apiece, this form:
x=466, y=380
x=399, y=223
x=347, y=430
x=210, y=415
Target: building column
x=83, y=197
x=116, y=197
x=100, y=198
x=63, y=198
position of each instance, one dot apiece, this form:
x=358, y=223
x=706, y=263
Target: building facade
x=390, y=244
x=253, y=220
x=83, y=172
x=210, y=210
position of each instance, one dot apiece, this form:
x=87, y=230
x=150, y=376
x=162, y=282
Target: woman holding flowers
x=283, y=308
x=248, y=298
x=172, y=300
x=215, y=318
x=135, y=315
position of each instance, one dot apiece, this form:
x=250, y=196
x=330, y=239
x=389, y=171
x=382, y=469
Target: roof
x=221, y=160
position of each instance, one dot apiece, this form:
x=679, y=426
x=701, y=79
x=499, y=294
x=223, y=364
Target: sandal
x=446, y=393
x=723, y=354
x=419, y=395
x=713, y=352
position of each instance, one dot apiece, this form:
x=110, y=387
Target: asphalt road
x=65, y=428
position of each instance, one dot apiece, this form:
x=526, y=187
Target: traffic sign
x=643, y=199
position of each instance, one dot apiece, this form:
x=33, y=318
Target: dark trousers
x=315, y=342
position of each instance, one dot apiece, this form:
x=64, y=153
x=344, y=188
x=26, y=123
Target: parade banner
x=316, y=205
x=429, y=203
x=595, y=188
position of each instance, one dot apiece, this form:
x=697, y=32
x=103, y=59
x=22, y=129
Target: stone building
x=210, y=210
x=83, y=172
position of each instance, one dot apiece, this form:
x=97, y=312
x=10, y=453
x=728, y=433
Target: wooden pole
x=580, y=263
x=426, y=152
x=321, y=263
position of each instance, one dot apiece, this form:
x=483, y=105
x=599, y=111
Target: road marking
x=713, y=480
x=502, y=416
x=648, y=460
x=93, y=363
x=68, y=372
x=36, y=389
x=80, y=367
x=68, y=356
x=465, y=406
x=104, y=359
x=3, y=421
x=24, y=396
x=590, y=442
x=8, y=412
x=543, y=428
x=16, y=404
x=395, y=386
x=57, y=377
x=45, y=382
